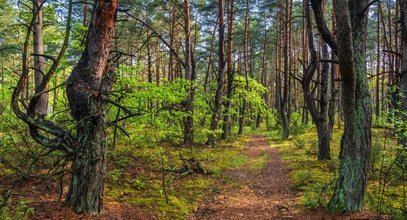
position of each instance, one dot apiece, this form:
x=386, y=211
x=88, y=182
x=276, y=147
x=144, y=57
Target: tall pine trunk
x=227, y=121
x=221, y=76
x=41, y=108
x=319, y=116
x=246, y=68
x=403, y=77
x=190, y=76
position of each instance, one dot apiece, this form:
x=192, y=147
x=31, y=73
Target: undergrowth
x=315, y=180
x=146, y=176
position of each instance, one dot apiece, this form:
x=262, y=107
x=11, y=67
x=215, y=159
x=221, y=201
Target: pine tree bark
x=172, y=39
x=246, y=68
x=229, y=70
x=319, y=116
x=403, y=76
x=378, y=53
x=41, y=108
x=356, y=140
x=190, y=76
x=220, y=77
x=87, y=91
x=284, y=102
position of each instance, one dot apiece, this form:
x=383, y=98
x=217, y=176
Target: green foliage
x=386, y=191
x=140, y=173
x=14, y=210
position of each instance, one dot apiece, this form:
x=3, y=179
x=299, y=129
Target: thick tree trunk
x=39, y=70
x=403, y=76
x=355, y=145
x=87, y=91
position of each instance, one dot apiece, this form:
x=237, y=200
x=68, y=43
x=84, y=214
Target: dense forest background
x=153, y=104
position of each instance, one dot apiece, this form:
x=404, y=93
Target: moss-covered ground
x=146, y=175
x=315, y=180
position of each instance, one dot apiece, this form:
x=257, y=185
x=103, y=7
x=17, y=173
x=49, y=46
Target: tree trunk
x=284, y=105
x=221, y=76
x=403, y=78
x=189, y=75
x=377, y=93
x=246, y=73
x=41, y=108
x=208, y=69
x=319, y=117
x=87, y=91
x=356, y=140
x=229, y=70
x=172, y=39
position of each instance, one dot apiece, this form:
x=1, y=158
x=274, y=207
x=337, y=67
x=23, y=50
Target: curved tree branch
x=321, y=25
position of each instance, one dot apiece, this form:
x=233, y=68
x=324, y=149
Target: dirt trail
x=266, y=194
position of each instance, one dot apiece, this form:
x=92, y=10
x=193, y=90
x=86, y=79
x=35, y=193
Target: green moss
x=316, y=179
x=136, y=176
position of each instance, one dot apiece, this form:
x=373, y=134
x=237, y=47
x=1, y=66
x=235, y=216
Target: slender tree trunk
x=208, y=69
x=221, y=76
x=39, y=70
x=378, y=52
x=85, y=13
x=246, y=68
x=157, y=62
x=229, y=70
x=284, y=105
x=319, y=116
x=87, y=91
x=172, y=39
x=333, y=87
x=189, y=75
x=356, y=140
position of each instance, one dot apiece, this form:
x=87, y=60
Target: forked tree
x=356, y=140
x=87, y=89
x=350, y=47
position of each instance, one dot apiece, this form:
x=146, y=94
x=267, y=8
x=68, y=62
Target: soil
x=47, y=205
x=267, y=194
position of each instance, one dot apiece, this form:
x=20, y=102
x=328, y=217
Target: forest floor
x=262, y=187
x=265, y=194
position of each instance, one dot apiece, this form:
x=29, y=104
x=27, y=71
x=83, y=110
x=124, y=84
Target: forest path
x=265, y=194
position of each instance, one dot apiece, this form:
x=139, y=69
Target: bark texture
x=87, y=92
x=403, y=76
x=320, y=117
x=227, y=120
x=246, y=68
x=190, y=76
x=220, y=77
x=355, y=145
x=41, y=108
